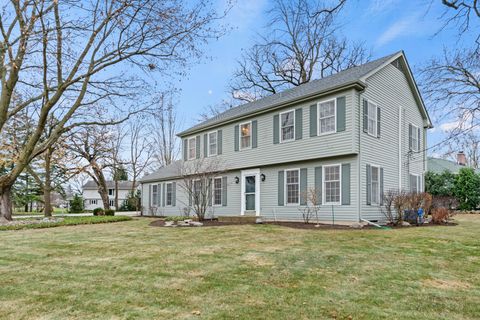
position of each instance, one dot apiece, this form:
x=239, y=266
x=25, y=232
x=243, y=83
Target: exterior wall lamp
x=262, y=176
x=237, y=180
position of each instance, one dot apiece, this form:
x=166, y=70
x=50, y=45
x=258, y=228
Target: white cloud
x=405, y=26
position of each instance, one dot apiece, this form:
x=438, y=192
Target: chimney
x=461, y=158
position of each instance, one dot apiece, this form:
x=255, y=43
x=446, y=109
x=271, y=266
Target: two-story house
x=92, y=199
x=350, y=137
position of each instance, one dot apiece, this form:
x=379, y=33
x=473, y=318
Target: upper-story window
x=372, y=119
x=327, y=117
x=331, y=184
x=292, y=186
x=287, y=126
x=246, y=135
x=192, y=148
x=212, y=143
x=414, y=137
x=111, y=192
x=169, y=194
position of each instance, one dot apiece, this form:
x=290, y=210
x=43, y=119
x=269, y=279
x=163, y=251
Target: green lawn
x=128, y=270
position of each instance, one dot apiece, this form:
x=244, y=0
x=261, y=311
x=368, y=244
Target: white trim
x=400, y=162
x=375, y=127
x=335, y=116
x=166, y=194
x=240, y=135
x=208, y=143
x=285, y=191
x=213, y=191
x=280, y=126
x=323, y=184
x=371, y=184
x=418, y=182
x=188, y=148
x=417, y=131
x=247, y=173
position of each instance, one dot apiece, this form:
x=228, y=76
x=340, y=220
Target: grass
x=128, y=270
x=68, y=221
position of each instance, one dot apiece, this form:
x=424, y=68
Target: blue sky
x=385, y=26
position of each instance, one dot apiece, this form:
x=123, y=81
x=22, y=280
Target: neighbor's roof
x=125, y=185
x=437, y=165
x=351, y=76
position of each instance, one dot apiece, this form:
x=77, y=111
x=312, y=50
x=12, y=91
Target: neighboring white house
x=92, y=199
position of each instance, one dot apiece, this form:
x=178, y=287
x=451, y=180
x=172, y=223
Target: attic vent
x=396, y=63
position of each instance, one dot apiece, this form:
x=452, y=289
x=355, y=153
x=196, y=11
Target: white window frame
x=418, y=182
x=415, y=133
x=209, y=151
x=319, y=118
x=93, y=201
x=280, y=126
x=372, y=166
x=324, y=193
x=113, y=192
x=286, y=188
x=221, y=192
x=240, y=135
x=154, y=195
x=111, y=202
x=375, y=119
x=194, y=148
x=166, y=194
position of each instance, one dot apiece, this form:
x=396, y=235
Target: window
x=331, y=184
x=111, y=192
x=192, y=148
x=375, y=184
x=169, y=196
x=212, y=143
x=217, y=191
x=287, y=126
x=197, y=190
x=415, y=183
x=111, y=203
x=414, y=138
x=246, y=135
x=372, y=119
x=327, y=117
x=93, y=201
x=154, y=194
x=292, y=186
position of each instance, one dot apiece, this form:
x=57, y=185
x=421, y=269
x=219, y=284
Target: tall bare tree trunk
x=47, y=188
x=116, y=193
x=101, y=183
x=6, y=202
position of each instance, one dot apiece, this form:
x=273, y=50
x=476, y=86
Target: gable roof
x=438, y=165
x=167, y=172
x=355, y=76
x=122, y=185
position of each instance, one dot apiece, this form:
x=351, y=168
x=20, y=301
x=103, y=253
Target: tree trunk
x=6, y=202
x=47, y=188
x=116, y=194
x=101, y=183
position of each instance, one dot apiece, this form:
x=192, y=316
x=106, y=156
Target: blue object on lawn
x=420, y=213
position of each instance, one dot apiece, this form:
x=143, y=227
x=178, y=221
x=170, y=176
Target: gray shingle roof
x=170, y=171
x=339, y=79
x=437, y=165
x=122, y=185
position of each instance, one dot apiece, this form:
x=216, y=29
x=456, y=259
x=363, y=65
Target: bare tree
x=54, y=56
x=197, y=178
x=92, y=145
x=312, y=205
x=117, y=164
x=140, y=149
x=165, y=126
x=303, y=45
x=469, y=143
x=216, y=109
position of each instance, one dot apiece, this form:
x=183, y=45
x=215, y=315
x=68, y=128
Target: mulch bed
x=295, y=225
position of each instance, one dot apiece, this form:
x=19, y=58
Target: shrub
x=448, y=202
x=467, y=189
x=132, y=203
x=388, y=206
x=109, y=212
x=98, y=212
x=440, y=215
x=76, y=204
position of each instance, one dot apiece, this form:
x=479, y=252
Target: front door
x=251, y=191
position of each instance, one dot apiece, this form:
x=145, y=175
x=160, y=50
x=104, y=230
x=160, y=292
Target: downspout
x=359, y=169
